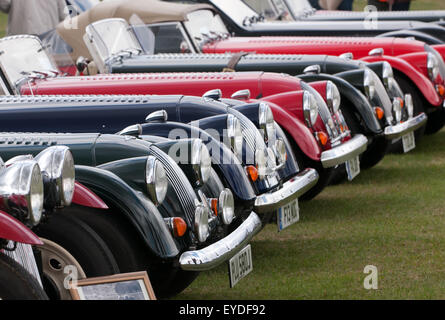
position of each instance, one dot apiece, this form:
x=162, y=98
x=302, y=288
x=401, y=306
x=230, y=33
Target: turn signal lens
x=323, y=138
x=214, y=205
x=179, y=227
x=379, y=113
x=440, y=90
x=252, y=172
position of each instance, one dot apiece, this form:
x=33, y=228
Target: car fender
x=356, y=99
x=87, y=198
x=301, y=134
x=14, y=230
x=424, y=84
x=135, y=206
x=418, y=35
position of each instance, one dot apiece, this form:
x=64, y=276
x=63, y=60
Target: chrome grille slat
x=179, y=182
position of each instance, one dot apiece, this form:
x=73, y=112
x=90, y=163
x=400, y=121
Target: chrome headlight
x=156, y=179
x=409, y=105
x=201, y=223
x=310, y=108
x=235, y=134
x=280, y=151
x=369, y=84
x=397, y=109
x=21, y=190
x=432, y=66
x=261, y=162
x=333, y=97
x=201, y=161
x=58, y=163
x=388, y=74
x=267, y=121
x=226, y=206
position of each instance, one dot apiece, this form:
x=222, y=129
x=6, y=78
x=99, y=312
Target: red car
x=418, y=68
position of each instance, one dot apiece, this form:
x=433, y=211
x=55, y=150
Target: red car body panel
x=360, y=47
x=260, y=84
x=14, y=230
x=422, y=82
x=87, y=198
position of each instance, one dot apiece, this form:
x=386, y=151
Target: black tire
x=85, y=245
x=131, y=253
x=436, y=121
x=378, y=147
x=16, y=283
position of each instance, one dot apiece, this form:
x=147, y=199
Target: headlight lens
x=226, y=204
x=201, y=161
x=432, y=66
x=58, y=163
x=310, y=109
x=397, y=109
x=235, y=134
x=201, y=223
x=369, y=84
x=261, y=162
x=333, y=97
x=21, y=189
x=156, y=179
x=280, y=151
x=409, y=104
x=267, y=121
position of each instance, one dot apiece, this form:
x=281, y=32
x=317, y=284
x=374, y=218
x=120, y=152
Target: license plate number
x=409, y=142
x=240, y=265
x=353, y=168
x=288, y=215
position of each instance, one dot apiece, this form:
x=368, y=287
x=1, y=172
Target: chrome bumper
x=221, y=251
x=290, y=190
x=346, y=151
x=399, y=130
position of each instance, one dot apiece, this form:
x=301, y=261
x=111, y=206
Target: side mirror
x=215, y=94
x=241, y=95
x=134, y=131
x=377, y=52
x=315, y=69
x=347, y=56
x=157, y=116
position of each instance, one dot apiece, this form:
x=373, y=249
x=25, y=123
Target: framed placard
x=126, y=286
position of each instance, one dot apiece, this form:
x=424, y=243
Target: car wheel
x=16, y=283
x=131, y=253
x=71, y=242
x=375, y=151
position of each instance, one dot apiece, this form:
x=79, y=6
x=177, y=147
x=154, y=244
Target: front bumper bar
x=399, y=130
x=344, y=152
x=221, y=251
x=290, y=190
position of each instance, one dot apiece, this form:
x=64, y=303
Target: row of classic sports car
x=164, y=136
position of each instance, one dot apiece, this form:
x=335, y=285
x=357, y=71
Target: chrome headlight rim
x=397, y=109
x=57, y=163
x=409, y=103
x=156, y=180
x=235, y=135
x=333, y=97
x=310, y=109
x=280, y=151
x=201, y=161
x=266, y=121
x=226, y=206
x=432, y=66
x=21, y=188
x=369, y=84
x=387, y=74
x=261, y=162
x=202, y=229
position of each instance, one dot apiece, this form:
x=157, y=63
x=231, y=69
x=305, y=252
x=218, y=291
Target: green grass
x=392, y=216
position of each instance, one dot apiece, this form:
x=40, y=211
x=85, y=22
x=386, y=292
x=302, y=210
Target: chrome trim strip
x=344, y=152
x=394, y=132
x=290, y=191
x=221, y=251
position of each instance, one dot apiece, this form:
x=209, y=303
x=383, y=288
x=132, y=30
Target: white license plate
x=288, y=215
x=353, y=168
x=409, y=142
x=240, y=265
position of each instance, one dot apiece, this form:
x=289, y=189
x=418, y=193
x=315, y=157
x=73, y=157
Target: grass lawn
x=392, y=217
